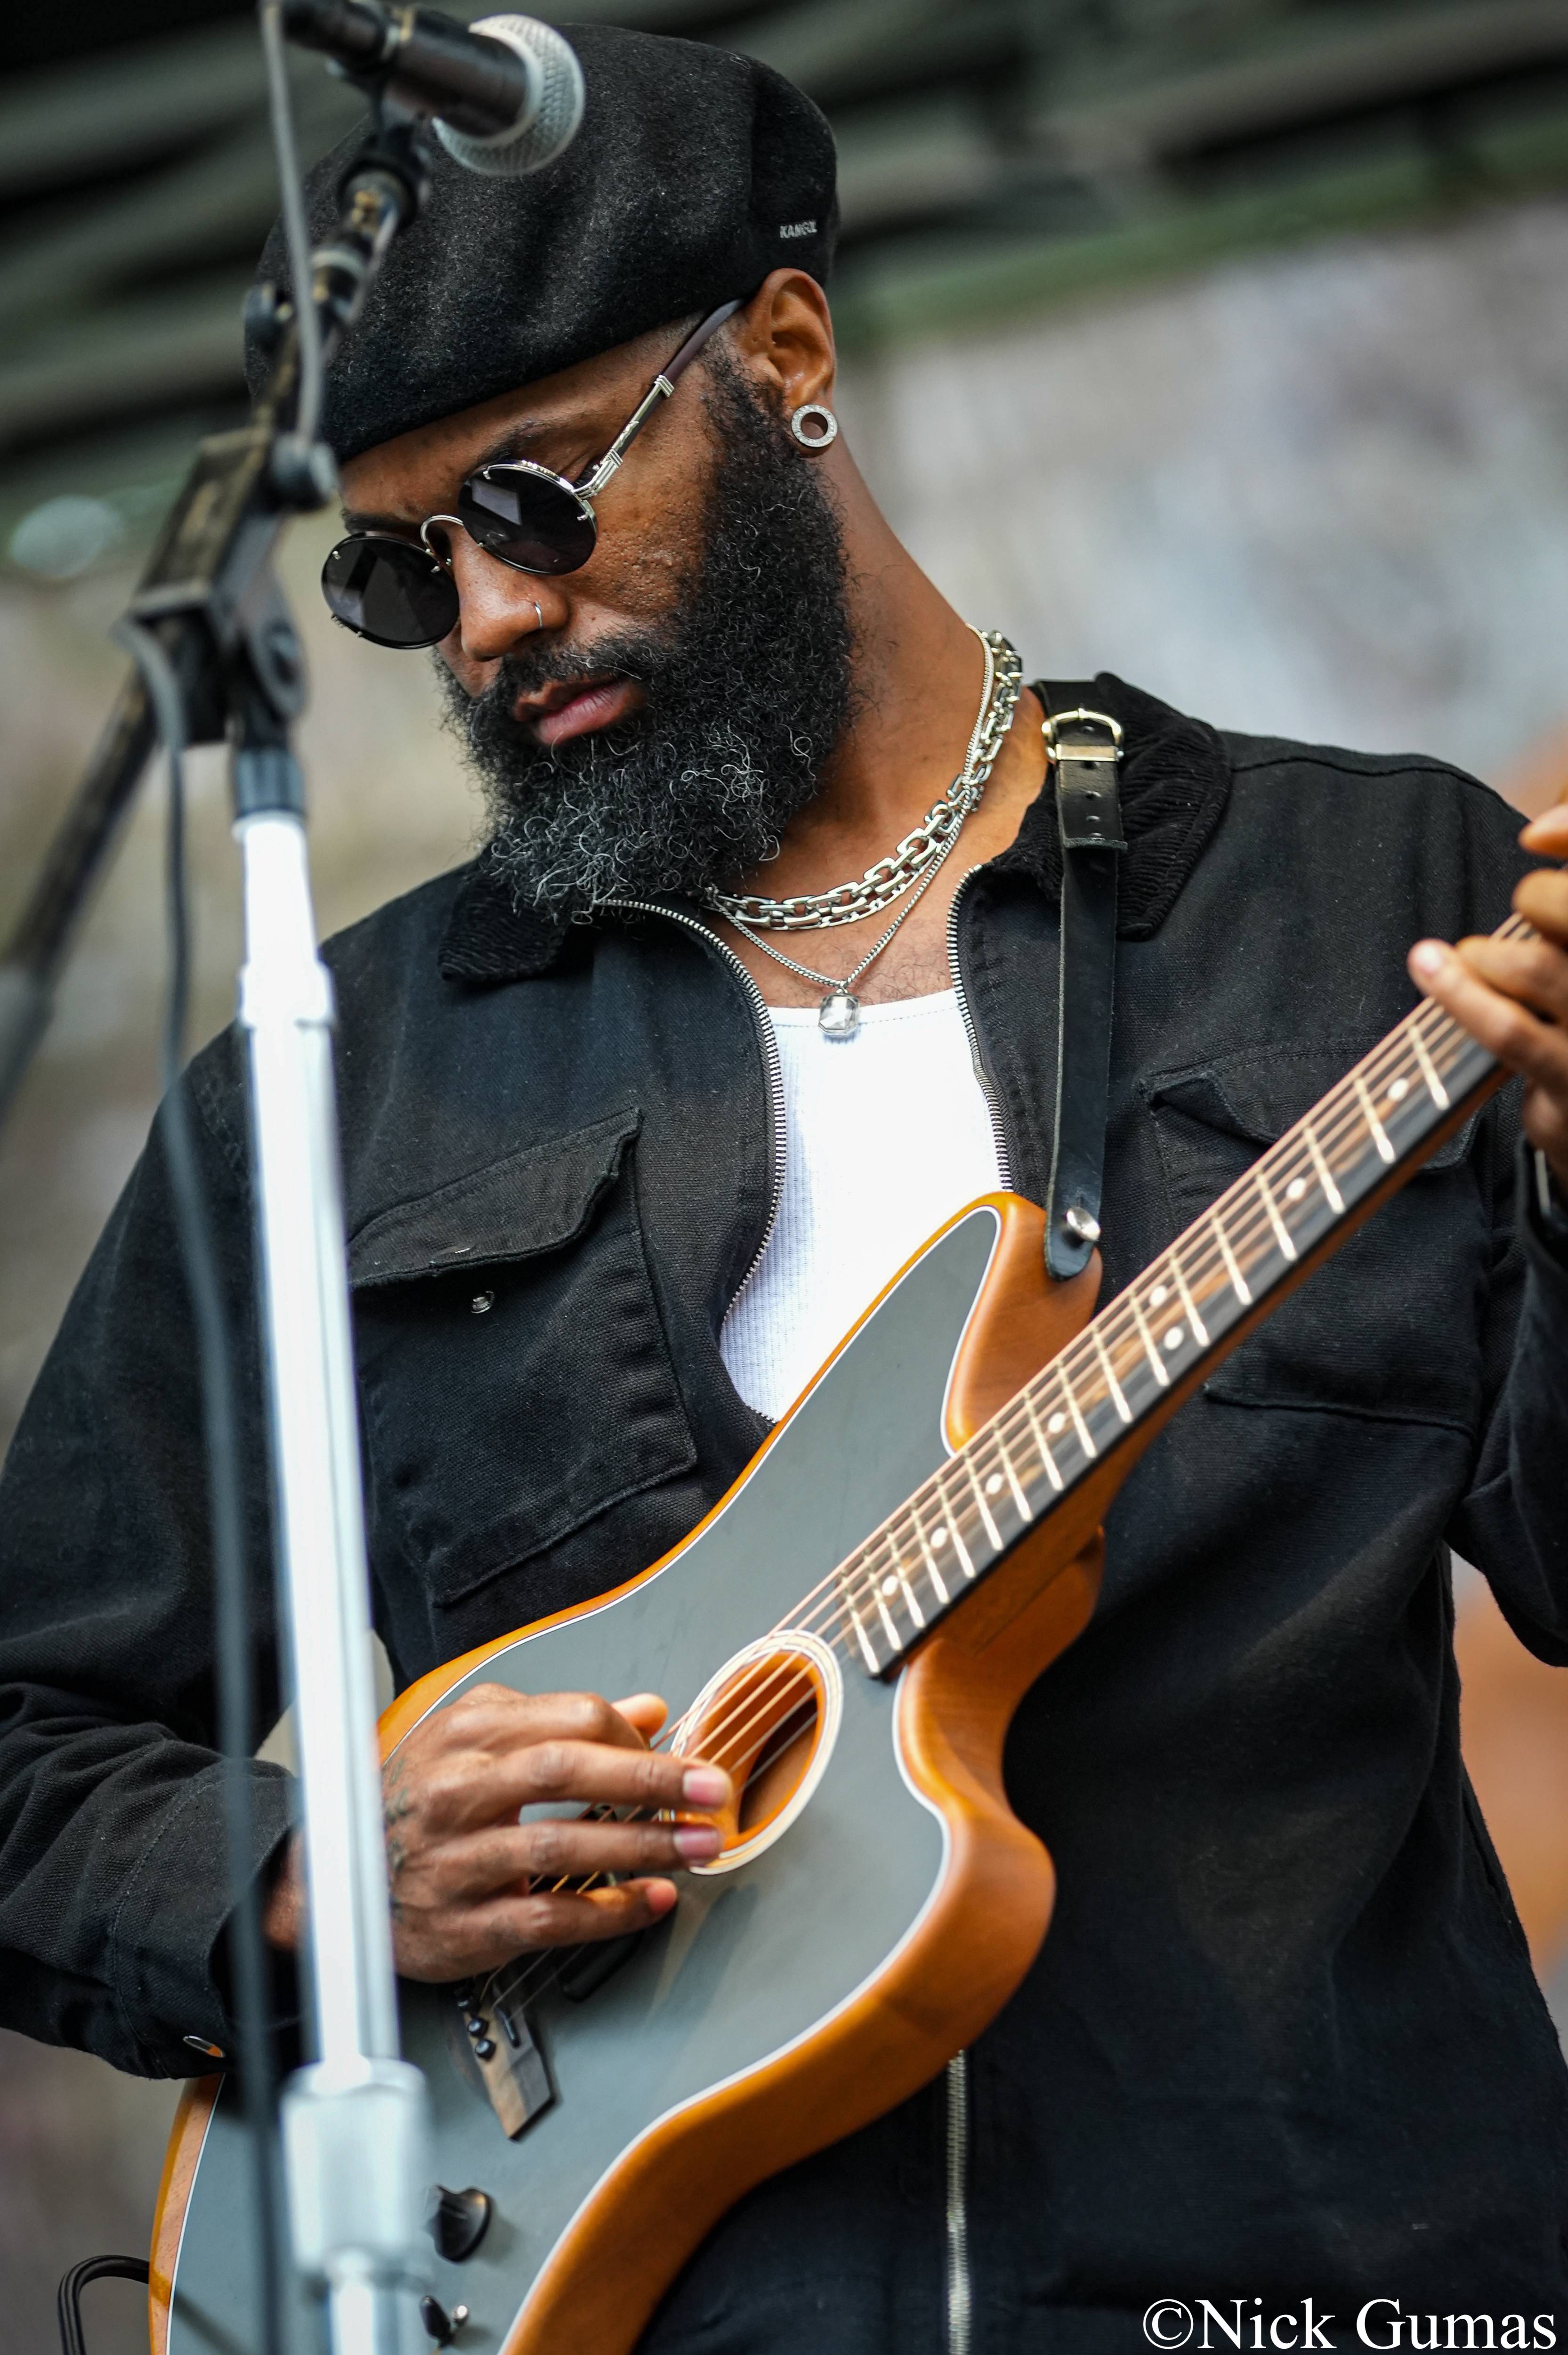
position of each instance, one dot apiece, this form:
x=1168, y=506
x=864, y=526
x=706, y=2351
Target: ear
x=784, y=338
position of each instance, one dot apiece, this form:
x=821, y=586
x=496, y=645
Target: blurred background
x=1220, y=343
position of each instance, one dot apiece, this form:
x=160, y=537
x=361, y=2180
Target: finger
x=1534, y=972
x=1505, y=1028
x=495, y=1717
x=573, y=1848
x=469, y=1776
x=1547, y=834
x=1543, y=899
x=492, y=1934
x=1546, y=1125
x=644, y=1712
x=594, y=1772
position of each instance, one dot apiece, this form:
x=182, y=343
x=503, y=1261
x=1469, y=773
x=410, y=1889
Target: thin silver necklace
x=912, y=869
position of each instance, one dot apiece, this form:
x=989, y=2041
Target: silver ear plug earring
x=812, y=411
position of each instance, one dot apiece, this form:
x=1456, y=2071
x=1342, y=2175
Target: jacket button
x=482, y=1302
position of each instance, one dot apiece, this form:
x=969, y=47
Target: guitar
x=848, y=1631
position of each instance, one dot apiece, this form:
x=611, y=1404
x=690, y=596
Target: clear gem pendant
x=838, y=1016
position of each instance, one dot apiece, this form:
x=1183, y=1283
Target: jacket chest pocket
x=513, y=1367
x=1390, y=1326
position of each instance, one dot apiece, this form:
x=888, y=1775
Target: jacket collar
x=1175, y=779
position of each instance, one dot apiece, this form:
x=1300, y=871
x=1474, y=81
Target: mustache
x=539, y=664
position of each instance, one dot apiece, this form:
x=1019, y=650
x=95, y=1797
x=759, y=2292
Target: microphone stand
x=354, y=2123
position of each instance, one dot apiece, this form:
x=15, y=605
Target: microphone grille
x=549, y=122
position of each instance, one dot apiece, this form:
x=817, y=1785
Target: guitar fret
x=932, y=1572
x=992, y=1532
x=1380, y=1136
x=872, y=1662
x=1026, y=1512
x=1193, y=1319
x=894, y=1637
x=1084, y=1442
x=1122, y=1407
x=1335, y=1199
x=1286, y=1242
x=1042, y=1447
x=1434, y=1088
x=950, y=1523
x=1147, y=1338
x=1239, y=1281
x=893, y=1580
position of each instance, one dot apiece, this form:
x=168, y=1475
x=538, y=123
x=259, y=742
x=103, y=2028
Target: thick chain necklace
x=912, y=867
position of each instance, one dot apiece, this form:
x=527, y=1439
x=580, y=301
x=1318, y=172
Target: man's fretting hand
x=471, y=1885
x=1513, y=994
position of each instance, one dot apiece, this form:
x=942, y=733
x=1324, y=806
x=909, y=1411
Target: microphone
x=506, y=94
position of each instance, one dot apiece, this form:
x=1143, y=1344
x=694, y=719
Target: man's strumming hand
x=1513, y=994
x=471, y=1886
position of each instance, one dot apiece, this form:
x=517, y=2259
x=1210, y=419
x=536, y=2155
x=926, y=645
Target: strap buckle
x=1081, y=747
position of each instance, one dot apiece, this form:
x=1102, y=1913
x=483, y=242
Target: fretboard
x=1161, y=1334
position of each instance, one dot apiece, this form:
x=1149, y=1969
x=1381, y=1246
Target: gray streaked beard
x=748, y=689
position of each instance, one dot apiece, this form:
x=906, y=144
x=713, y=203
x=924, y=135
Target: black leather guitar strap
x=1084, y=748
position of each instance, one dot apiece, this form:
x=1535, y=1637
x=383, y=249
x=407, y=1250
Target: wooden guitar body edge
x=961, y=1960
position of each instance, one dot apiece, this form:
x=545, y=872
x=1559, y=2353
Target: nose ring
x=538, y=615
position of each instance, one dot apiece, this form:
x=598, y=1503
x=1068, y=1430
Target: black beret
x=694, y=173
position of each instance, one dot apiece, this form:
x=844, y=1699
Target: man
x=1283, y=2041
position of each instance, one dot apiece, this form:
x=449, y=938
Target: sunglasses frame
x=583, y=492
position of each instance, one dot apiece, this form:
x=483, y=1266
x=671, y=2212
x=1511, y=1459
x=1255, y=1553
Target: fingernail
x=1428, y=957
x=697, y=1842
x=705, y=1786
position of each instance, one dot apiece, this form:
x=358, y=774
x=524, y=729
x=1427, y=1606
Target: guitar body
x=835, y=1958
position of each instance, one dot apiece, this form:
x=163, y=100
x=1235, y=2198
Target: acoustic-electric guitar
x=848, y=1631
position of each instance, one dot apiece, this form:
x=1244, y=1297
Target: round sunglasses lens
x=390, y=592
x=528, y=519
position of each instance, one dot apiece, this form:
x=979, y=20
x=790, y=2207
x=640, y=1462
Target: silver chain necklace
x=912, y=867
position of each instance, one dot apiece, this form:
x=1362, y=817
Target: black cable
x=67, y=2298
x=230, y=1573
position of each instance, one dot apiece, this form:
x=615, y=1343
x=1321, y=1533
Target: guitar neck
x=1161, y=1336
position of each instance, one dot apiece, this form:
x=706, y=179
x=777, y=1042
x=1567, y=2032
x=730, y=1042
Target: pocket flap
x=531, y=1201
x=1259, y=1092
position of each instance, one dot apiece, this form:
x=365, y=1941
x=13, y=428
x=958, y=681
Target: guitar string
x=1330, y=1131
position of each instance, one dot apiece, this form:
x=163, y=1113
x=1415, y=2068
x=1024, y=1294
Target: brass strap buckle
x=1081, y=747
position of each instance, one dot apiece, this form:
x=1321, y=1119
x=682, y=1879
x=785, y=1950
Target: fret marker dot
x=1296, y=1189
x=1174, y=1338
x=939, y=1536
x=993, y=1486
x=1057, y=1424
x=890, y=1585
x=1159, y=1296
x=1398, y=1091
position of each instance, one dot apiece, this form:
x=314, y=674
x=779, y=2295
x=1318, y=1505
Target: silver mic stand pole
x=355, y=2124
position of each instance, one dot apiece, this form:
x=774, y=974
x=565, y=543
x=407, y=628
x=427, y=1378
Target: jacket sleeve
x=114, y=1875
x=1514, y=1521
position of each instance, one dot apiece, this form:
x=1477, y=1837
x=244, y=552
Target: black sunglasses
x=400, y=592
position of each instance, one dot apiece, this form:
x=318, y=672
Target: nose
x=498, y=606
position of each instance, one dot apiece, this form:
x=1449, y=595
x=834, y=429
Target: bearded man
x=623, y=1159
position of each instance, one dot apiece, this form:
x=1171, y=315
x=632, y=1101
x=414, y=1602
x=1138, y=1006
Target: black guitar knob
x=458, y=2222
x=442, y=2327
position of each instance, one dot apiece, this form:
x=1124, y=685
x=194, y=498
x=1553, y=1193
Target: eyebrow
x=516, y=442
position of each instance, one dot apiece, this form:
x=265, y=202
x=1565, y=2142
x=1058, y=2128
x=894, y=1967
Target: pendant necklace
x=910, y=870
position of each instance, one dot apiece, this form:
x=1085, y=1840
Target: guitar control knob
x=456, y=2222
x=442, y=2327
x=485, y=2049
x=477, y=2027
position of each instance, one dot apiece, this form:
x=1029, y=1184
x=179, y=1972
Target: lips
x=563, y=710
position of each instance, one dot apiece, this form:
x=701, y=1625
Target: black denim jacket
x=1283, y=2037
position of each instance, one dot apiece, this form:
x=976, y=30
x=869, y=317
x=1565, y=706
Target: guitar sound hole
x=780, y=1764
x=769, y=1720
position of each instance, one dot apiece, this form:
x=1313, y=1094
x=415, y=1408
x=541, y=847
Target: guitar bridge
x=501, y=2046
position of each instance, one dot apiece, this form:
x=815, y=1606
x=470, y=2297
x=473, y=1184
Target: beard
x=747, y=687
